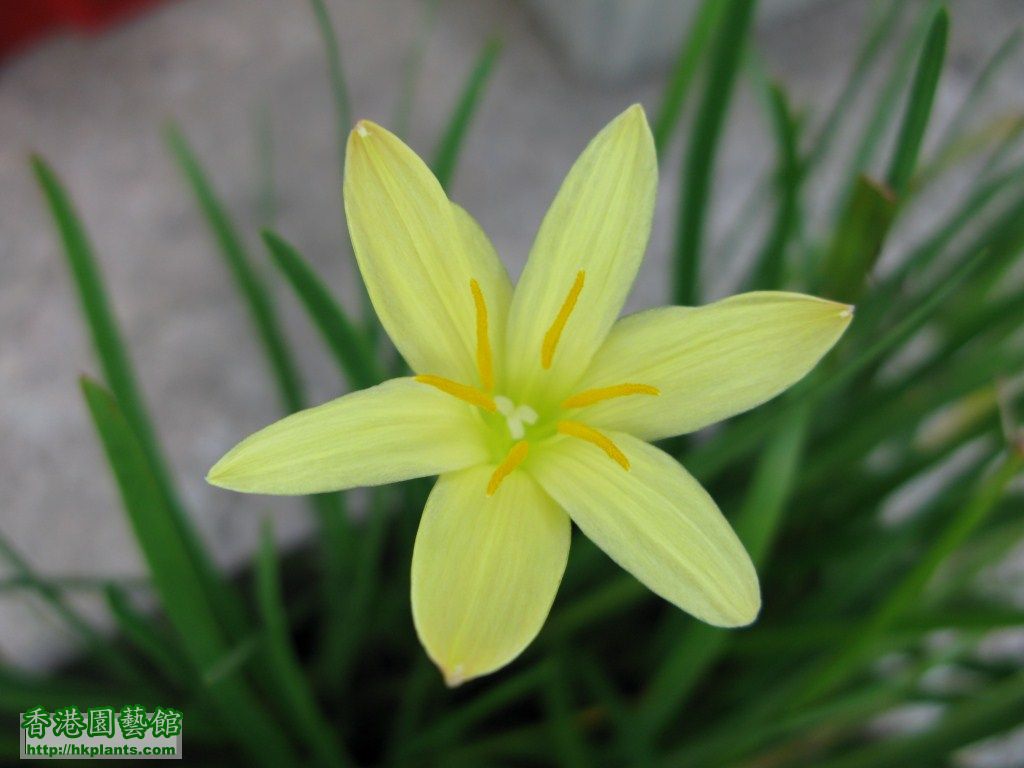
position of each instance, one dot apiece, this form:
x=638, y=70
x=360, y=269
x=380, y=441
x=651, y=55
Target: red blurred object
x=22, y=21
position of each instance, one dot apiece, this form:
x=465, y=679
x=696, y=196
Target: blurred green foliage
x=271, y=672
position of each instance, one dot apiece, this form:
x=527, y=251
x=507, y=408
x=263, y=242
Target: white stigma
x=518, y=417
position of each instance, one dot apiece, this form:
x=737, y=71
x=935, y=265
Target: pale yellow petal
x=417, y=255
x=485, y=570
x=598, y=224
x=395, y=431
x=655, y=521
x=710, y=363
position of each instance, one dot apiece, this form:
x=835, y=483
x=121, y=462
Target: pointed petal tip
x=216, y=476
x=363, y=129
x=455, y=676
x=743, y=616
x=636, y=115
x=636, y=110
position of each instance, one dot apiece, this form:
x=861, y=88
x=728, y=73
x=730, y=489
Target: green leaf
x=919, y=104
x=886, y=102
x=729, y=44
x=297, y=698
x=267, y=203
x=980, y=88
x=179, y=585
x=71, y=617
x=992, y=710
x=336, y=76
x=673, y=97
x=411, y=68
x=349, y=346
x=141, y=631
x=570, y=749
x=342, y=126
x=883, y=27
x=20, y=691
x=903, y=597
x=447, y=154
x=858, y=240
x=770, y=265
x=118, y=373
x=454, y=723
x=249, y=282
x=329, y=508
x=103, y=327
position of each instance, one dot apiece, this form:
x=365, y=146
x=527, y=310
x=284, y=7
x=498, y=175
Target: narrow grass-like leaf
x=142, y=633
x=297, y=698
x=329, y=508
x=103, y=327
x=85, y=631
x=67, y=584
x=349, y=346
x=20, y=690
x=565, y=739
x=410, y=706
x=336, y=76
x=180, y=587
x=411, y=69
x=993, y=710
x=769, y=270
x=673, y=97
x=254, y=292
x=619, y=594
x=357, y=603
x=633, y=748
x=266, y=194
x=452, y=725
x=919, y=104
x=120, y=377
x=901, y=599
x=342, y=125
x=729, y=45
x=858, y=240
x=980, y=87
x=886, y=102
x=448, y=149
x=879, y=33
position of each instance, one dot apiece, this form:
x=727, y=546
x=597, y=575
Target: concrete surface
x=94, y=107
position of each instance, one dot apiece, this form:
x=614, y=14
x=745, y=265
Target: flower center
x=519, y=416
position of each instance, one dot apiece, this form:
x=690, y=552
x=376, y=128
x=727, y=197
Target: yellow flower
x=535, y=405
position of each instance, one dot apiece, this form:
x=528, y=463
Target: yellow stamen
x=515, y=457
x=602, y=441
x=591, y=396
x=547, y=350
x=471, y=395
x=483, y=343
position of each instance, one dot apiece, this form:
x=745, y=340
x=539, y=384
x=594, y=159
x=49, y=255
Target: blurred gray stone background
x=94, y=108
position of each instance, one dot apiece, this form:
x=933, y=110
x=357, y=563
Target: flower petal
x=598, y=224
x=710, y=363
x=485, y=570
x=395, y=431
x=415, y=255
x=655, y=521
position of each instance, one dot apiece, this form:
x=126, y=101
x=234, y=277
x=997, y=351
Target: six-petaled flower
x=535, y=405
